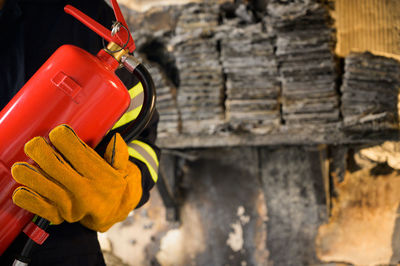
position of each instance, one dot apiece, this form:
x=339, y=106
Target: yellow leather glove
x=74, y=183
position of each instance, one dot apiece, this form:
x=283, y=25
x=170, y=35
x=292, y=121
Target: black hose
x=135, y=127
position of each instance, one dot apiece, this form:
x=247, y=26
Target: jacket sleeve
x=142, y=150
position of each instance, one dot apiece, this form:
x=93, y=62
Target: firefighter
x=58, y=190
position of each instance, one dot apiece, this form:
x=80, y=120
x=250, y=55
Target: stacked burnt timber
x=306, y=63
x=200, y=93
x=206, y=48
x=252, y=88
x=369, y=92
x=165, y=101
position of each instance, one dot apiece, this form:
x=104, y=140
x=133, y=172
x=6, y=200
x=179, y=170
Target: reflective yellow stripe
x=128, y=117
x=135, y=90
x=137, y=150
x=148, y=149
x=131, y=114
x=135, y=154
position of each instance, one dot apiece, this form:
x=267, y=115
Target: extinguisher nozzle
x=25, y=257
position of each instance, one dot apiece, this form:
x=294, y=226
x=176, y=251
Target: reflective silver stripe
x=136, y=101
x=145, y=155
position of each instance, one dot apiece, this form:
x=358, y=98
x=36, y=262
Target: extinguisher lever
x=122, y=38
x=118, y=14
x=89, y=22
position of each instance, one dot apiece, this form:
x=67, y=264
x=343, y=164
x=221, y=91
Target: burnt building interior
x=279, y=134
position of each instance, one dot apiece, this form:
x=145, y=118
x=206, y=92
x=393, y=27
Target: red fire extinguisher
x=72, y=87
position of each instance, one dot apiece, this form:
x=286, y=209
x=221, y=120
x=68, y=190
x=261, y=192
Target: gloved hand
x=74, y=183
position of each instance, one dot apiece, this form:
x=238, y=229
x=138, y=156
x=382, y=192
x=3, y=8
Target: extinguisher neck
x=112, y=55
x=116, y=51
x=109, y=61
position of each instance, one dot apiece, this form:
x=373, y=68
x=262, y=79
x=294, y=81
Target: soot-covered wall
x=271, y=142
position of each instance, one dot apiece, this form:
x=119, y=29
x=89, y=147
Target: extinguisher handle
x=122, y=38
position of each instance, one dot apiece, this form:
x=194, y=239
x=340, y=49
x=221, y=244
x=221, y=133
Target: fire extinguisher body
x=73, y=87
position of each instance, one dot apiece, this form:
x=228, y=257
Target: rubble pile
x=306, y=64
x=369, y=92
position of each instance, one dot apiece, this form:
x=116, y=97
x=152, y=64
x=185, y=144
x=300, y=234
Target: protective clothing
x=34, y=38
x=74, y=183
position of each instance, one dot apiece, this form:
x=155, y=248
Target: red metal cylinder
x=73, y=87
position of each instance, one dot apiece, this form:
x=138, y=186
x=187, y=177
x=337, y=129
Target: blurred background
x=279, y=134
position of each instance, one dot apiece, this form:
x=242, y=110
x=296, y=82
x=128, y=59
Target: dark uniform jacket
x=31, y=30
